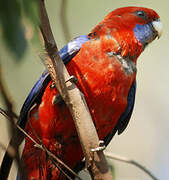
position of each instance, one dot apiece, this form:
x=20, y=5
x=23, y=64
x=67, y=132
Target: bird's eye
x=141, y=14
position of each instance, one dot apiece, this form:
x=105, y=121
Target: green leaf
x=31, y=13
x=12, y=28
x=30, y=9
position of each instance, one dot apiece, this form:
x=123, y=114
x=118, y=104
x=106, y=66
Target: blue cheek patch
x=144, y=33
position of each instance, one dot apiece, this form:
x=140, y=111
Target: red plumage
x=105, y=68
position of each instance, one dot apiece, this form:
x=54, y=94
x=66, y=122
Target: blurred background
x=145, y=139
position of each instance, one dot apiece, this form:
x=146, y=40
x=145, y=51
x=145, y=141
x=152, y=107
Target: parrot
x=104, y=63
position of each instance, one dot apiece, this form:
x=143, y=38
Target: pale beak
x=157, y=25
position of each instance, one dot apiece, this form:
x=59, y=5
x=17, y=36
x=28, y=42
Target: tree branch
x=96, y=161
x=6, y=165
x=130, y=161
x=11, y=151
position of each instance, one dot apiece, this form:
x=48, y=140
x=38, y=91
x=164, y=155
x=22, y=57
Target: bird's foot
x=72, y=79
x=101, y=147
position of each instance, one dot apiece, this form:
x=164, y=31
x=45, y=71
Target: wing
x=125, y=117
x=122, y=123
x=66, y=53
x=33, y=97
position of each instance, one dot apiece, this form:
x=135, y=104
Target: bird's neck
x=119, y=41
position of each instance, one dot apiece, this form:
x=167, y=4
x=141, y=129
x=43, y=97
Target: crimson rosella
x=104, y=63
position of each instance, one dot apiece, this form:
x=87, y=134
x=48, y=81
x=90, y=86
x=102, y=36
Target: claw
x=52, y=86
x=72, y=79
x=101, y=147
x=57, y=99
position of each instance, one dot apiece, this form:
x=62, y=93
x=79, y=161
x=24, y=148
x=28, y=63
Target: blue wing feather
x=125, y=117
x=71, y=49
x=66, y=54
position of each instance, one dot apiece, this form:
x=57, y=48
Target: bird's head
x=133, y=28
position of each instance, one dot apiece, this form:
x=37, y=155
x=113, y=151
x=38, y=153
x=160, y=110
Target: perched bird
x=104, y=63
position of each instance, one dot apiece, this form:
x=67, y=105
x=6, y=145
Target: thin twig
x=34, y=133
x=10, y=151
x=5, y=113
x=40, y=146
x=130, y=161
x=6, y=165
x=63, y=20
x=5, y=94
x=52, y=156
x=61, y=170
